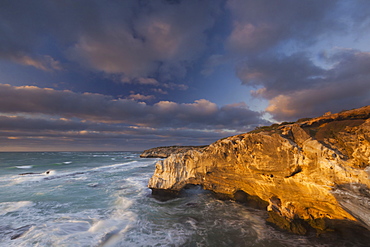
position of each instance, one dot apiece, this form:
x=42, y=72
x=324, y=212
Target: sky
x=92, y=75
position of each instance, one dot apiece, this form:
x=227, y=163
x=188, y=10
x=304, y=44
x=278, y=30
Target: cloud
x=159, y=38
x=280, y=74
x=45, y=62
x=282, y=53
x=140, y=97
x=174, y=86
x=202, y=114
x=140, y=80
x=126, y=139
x=296, y=87
x=213, y=62
x=148, y=81
x=21, y=123
x=246, y=36
x=139, y=39
x=22, y=40
x=159, y=90
x=160, y=45
x=63, y=120
x=260, y=25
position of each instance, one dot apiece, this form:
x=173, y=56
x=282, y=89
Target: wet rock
x=19, y=232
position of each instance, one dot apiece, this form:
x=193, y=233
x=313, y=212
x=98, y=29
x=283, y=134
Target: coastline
x=309, y=175
x=166, y=151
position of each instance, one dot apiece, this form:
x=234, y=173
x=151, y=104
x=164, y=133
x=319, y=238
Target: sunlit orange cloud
x=13, y=138
x=46, y=63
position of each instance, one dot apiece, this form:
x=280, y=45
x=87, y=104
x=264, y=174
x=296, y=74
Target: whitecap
x=24, y=167
x=67, y=162
x=127, y=165
x=100, y=155
x=69, y=227
x=32, y=177
x=93, y=185
x=112, y=229
x=122, y=166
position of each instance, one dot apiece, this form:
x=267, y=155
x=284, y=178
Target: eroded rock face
x=314, y=171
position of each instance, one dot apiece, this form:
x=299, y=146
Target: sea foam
x=24, y=167
x=7, y=207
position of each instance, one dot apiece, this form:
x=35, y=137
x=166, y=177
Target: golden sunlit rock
x=314, y=171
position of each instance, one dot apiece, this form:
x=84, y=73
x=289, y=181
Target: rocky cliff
x=164, y=152
x=313, y=173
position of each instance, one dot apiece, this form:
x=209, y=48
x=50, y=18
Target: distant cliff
x=313, y=173
x=164, y=152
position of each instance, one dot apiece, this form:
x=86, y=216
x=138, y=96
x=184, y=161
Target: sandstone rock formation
x=164, y=152
x=312, y=173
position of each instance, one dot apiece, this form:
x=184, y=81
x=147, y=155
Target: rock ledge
x=164, y=152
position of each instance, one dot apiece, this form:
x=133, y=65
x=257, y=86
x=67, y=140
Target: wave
x=101, y=155
x=113, y=229
x=7, y=207
x=52, y=174
x=26, y=177
x=113, y=166
x=48, y=172
x=24, y=167
x=66, y=172
x=84, y=228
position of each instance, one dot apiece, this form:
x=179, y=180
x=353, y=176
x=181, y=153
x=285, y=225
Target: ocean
x=101, y=199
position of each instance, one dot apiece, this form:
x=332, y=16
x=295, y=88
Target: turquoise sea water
x=102, y=199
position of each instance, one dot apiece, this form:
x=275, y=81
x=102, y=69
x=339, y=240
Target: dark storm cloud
x=18, y=132
x=18, y=126
x=27, y=26
x=160, y=39
x=280, y=75
x=201, y=114
x=18, y=123
x=296, y=87
x=60, y=141
x=133, y=38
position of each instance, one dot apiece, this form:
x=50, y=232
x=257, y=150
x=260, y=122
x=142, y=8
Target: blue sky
x=130, y=75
